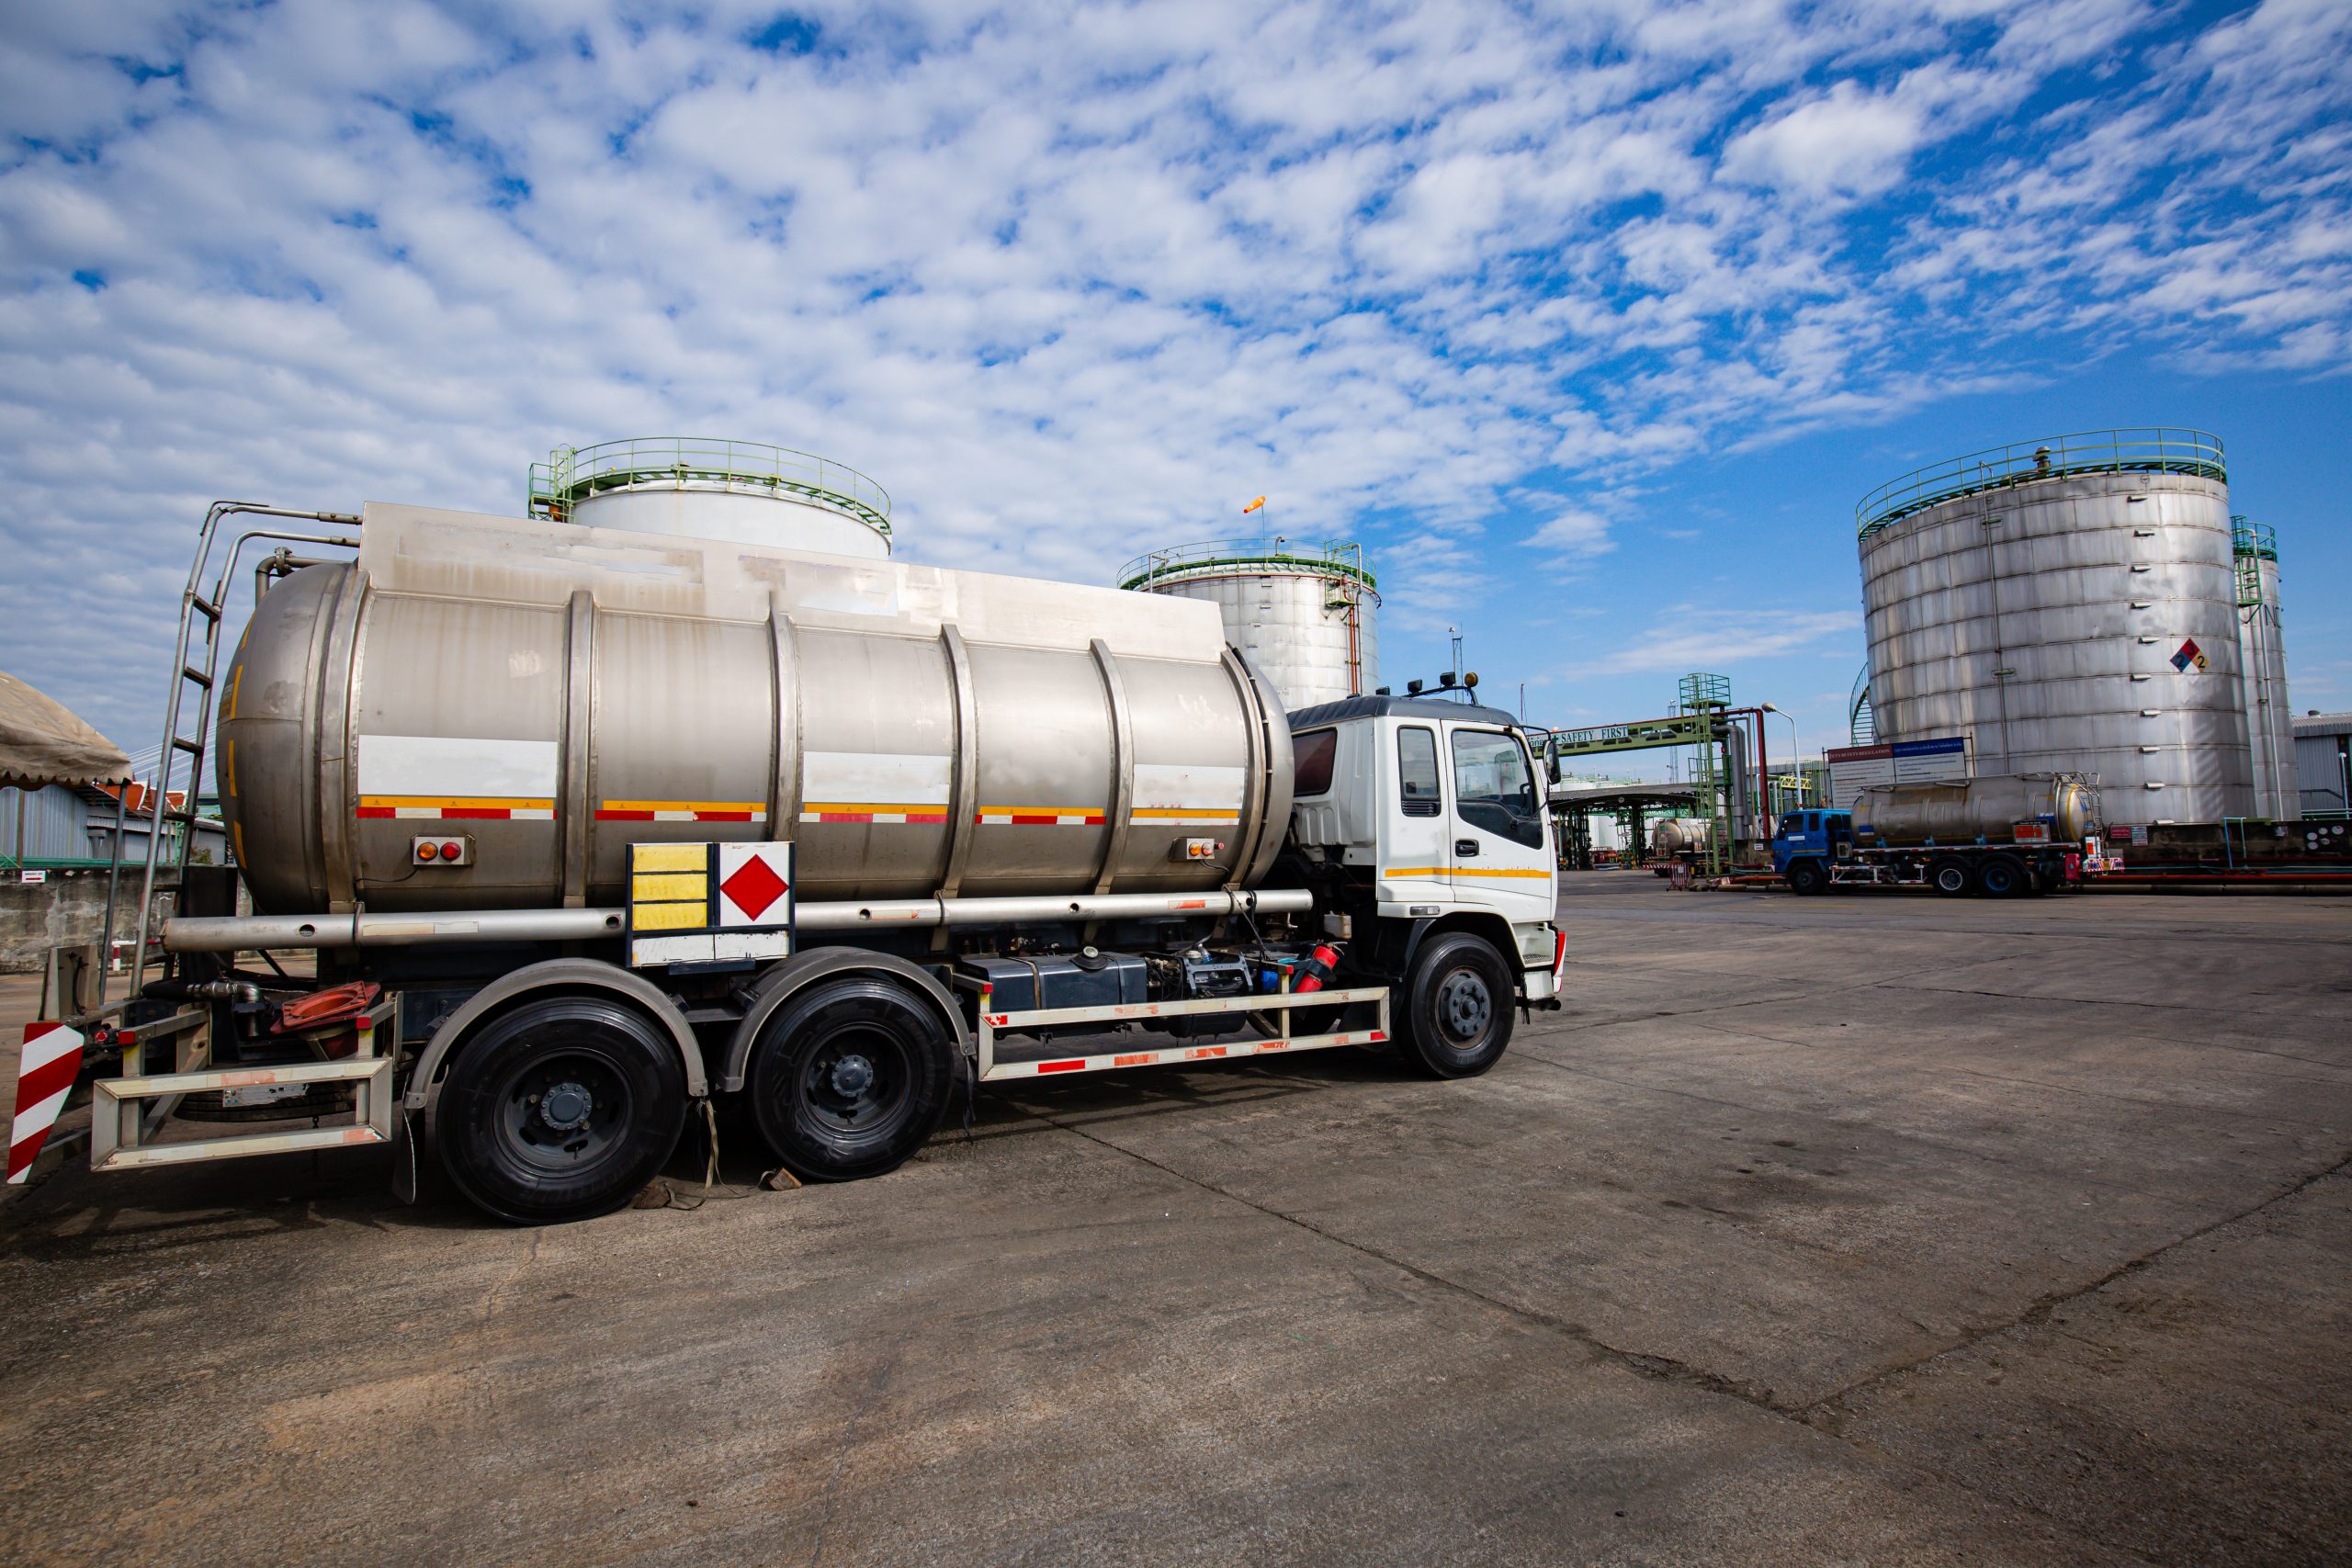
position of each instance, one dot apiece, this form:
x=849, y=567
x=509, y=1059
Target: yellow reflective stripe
x=1232, y=814
x=897, y=806
x=669, y=916
x=1403, y=871
x=684, y=805
x=671, y=857
x=666, y=888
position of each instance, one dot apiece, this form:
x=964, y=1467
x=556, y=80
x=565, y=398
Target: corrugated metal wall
x=56, y=825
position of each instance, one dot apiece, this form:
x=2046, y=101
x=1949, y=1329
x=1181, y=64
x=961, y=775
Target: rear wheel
x=1456, y=1007
x=851, y=1078
x=1807, y=876
x=2004, y=876
x=561, y=1109
x=1950, y=878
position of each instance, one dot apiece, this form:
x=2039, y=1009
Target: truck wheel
x=561, y=1109
x=2002, y=876
x=851, y=1078
x=1807, y=878
x=1456, y=1014
x=1950, y=878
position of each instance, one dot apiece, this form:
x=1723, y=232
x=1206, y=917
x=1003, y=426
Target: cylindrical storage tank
x=544, y=694
x=2262, y=653
x=2071, y=607
x=1963, y=810
x=1304, y=615
x=744, y=491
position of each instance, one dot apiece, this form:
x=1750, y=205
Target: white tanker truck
x=585, y=827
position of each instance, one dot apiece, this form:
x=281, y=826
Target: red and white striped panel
x=1182, y=1054
x=1039, y=817
x=45, y=1077
x=681, y=811
x=872, y=811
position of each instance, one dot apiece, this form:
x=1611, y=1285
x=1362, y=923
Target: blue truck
x=1816, y=850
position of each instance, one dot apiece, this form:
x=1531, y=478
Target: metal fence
x=1217, y=558
x=573, y=475
x=2150, y=451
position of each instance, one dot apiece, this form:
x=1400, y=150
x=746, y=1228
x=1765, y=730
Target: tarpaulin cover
x=42, y=743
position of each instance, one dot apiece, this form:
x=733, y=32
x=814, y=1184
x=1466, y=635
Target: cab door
x=1499, y=841
x=1414, y=825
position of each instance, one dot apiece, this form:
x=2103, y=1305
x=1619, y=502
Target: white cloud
x=1072, y=283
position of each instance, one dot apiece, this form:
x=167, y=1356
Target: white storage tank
x=2071, y=605
x=746, y=492
x=2269, y=718
x=1304, y=615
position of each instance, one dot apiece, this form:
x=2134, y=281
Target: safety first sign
x=709, y=903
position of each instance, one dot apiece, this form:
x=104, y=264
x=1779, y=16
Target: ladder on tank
x=200, y=674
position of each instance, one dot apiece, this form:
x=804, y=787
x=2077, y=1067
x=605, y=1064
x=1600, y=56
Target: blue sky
x=1592, y=320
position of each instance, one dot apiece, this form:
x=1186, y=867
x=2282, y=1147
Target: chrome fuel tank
x=545, y=693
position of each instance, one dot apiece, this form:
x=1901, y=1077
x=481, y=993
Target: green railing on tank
x=574, y=474
x=2150, y=451
x=1215, y=557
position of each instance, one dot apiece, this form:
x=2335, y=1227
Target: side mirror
x=1552, y=758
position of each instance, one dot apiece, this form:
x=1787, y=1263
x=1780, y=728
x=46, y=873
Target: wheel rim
x=564, y=1113
x=1951, y=879
x=857, y=1078
x=1464, y=1009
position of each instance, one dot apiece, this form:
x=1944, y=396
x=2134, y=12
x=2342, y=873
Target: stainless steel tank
x=747, y=492
x=1306, y=614
x=546, y=694
x=2071, y=606
x=1961, y=810
x=2262, y=660
x=1674, y=836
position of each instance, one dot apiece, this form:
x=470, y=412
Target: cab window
x=1493, y=787
x=1417, y=770
x=1315, y=753
x=1792, y=823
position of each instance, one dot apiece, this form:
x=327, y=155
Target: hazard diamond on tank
x=753, y=888
x=2190, y=654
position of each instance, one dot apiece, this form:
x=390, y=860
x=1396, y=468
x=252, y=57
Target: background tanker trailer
x=2003, y=835
x=596, y=825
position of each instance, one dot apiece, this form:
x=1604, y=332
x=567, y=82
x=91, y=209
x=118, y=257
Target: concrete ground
x=1848, y=1230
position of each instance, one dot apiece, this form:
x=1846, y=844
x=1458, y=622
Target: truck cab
x=1808, y=844
x=1422, y=816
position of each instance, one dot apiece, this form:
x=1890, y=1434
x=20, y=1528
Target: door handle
x=1465, y=847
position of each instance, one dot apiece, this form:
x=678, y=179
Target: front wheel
x=1807, y=878
x=1456, y=1007
x=561, y=1109
x=851, y=1078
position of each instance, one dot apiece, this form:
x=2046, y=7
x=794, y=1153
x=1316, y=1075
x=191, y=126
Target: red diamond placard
x=753, y=888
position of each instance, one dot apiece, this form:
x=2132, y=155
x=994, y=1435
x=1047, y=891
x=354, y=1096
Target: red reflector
x=1061, y=1066
x=451, y=852
x=428, y=852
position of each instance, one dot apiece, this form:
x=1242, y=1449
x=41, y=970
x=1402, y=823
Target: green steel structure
x=573, y=474
x=1703, y=724
x=2251, y=544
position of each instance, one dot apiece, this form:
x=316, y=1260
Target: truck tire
x=1455, y=1013
x=1807, y=877
x=561, y=1109
x=2004, y=876
x=851, y=1078
x=1950, y=878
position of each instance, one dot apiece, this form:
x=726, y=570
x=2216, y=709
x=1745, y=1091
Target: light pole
x=1796, y=753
